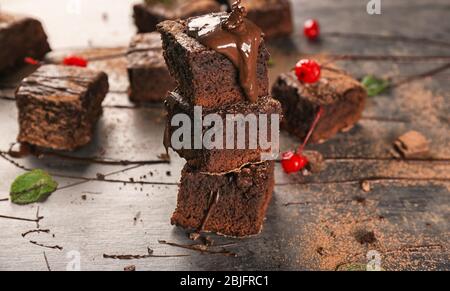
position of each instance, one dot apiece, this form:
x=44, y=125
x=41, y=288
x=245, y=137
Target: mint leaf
x=32, y=187
x=355, y=267
x=374, y=85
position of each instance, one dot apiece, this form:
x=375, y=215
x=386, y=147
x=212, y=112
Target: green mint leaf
x=374, y=85
x=32, y=187
x=355, y=267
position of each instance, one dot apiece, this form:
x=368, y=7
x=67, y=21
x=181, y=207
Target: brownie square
x=59, y=106
x=274, y=17
x=234, y=204
x=148, y=15
x=20, y=37
x=342, y=98
x=222, y=160
x=205, y=77
x=147, y=71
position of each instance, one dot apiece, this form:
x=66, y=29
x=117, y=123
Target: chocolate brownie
x=20, y=37
x=148, y=14
x=342, y=98
x=274, y=17
x=149, y=77
x=205, y=77
x=214, y=160
x=234, y=204
x=59, y=106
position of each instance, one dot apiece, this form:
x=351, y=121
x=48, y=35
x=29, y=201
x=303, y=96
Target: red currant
x=75, y=61
x=293, y=163
x=311, y=29
x=307, y=71
x=31, y=61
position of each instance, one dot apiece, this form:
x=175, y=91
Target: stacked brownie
x=225, y=191
x=20, y=37
x=59, y=106
x=147, y=71
x=148, y=14
x=274, y=17
x=342, y=98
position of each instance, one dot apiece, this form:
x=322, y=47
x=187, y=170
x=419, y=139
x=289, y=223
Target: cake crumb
x=130, y=268
x=365, y=186
x=412, y=145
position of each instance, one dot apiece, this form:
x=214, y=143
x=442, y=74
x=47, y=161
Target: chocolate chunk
x=148, y=15
x=20, y=37
x=412, y=145
x=59, y=106
x=221, y=160
x=274, y=17
x=205, y=77
x=149, y=77
x=341, y=97
x=238, y=212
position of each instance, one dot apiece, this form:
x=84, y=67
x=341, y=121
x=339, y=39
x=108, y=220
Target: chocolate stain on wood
x=35, y=231
x=202, y=248
x=139, y=257
x=54, y=247
x=21, y=218
x=47, y=263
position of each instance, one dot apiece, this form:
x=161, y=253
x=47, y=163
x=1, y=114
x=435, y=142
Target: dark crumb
x=360, y=199
x=84, y=197
x=105, y=16
x=151, y=174
x=320, y=251
x=168, y=173
x=131, y=180
x=428, y=224
x=365, y=237
x=130, y=268
x=100, y=176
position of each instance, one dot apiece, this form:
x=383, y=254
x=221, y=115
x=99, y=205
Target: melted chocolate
x=235, y=37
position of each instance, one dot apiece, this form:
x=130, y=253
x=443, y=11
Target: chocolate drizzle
x=235, y=37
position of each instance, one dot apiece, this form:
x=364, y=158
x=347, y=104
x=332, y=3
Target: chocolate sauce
x=235, y=37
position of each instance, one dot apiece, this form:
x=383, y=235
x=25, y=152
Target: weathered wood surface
x=313, y=222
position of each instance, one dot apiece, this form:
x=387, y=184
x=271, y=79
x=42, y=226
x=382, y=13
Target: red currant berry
x=293, y=163
x=311, y=29
x=75, y=61
x=31, y=61
x=307, y=71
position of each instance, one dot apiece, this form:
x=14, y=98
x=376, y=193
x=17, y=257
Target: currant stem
x=311, y=130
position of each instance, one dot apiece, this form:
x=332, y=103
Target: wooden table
x=323, y=221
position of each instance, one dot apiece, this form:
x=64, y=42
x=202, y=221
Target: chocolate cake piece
x=147, y=71
x=274, y=17
x=148, y=14
x=59, y=106
x=342, y=98
x=221, y=160
x=20, y=37
x=205, y=77
x=234, y=204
